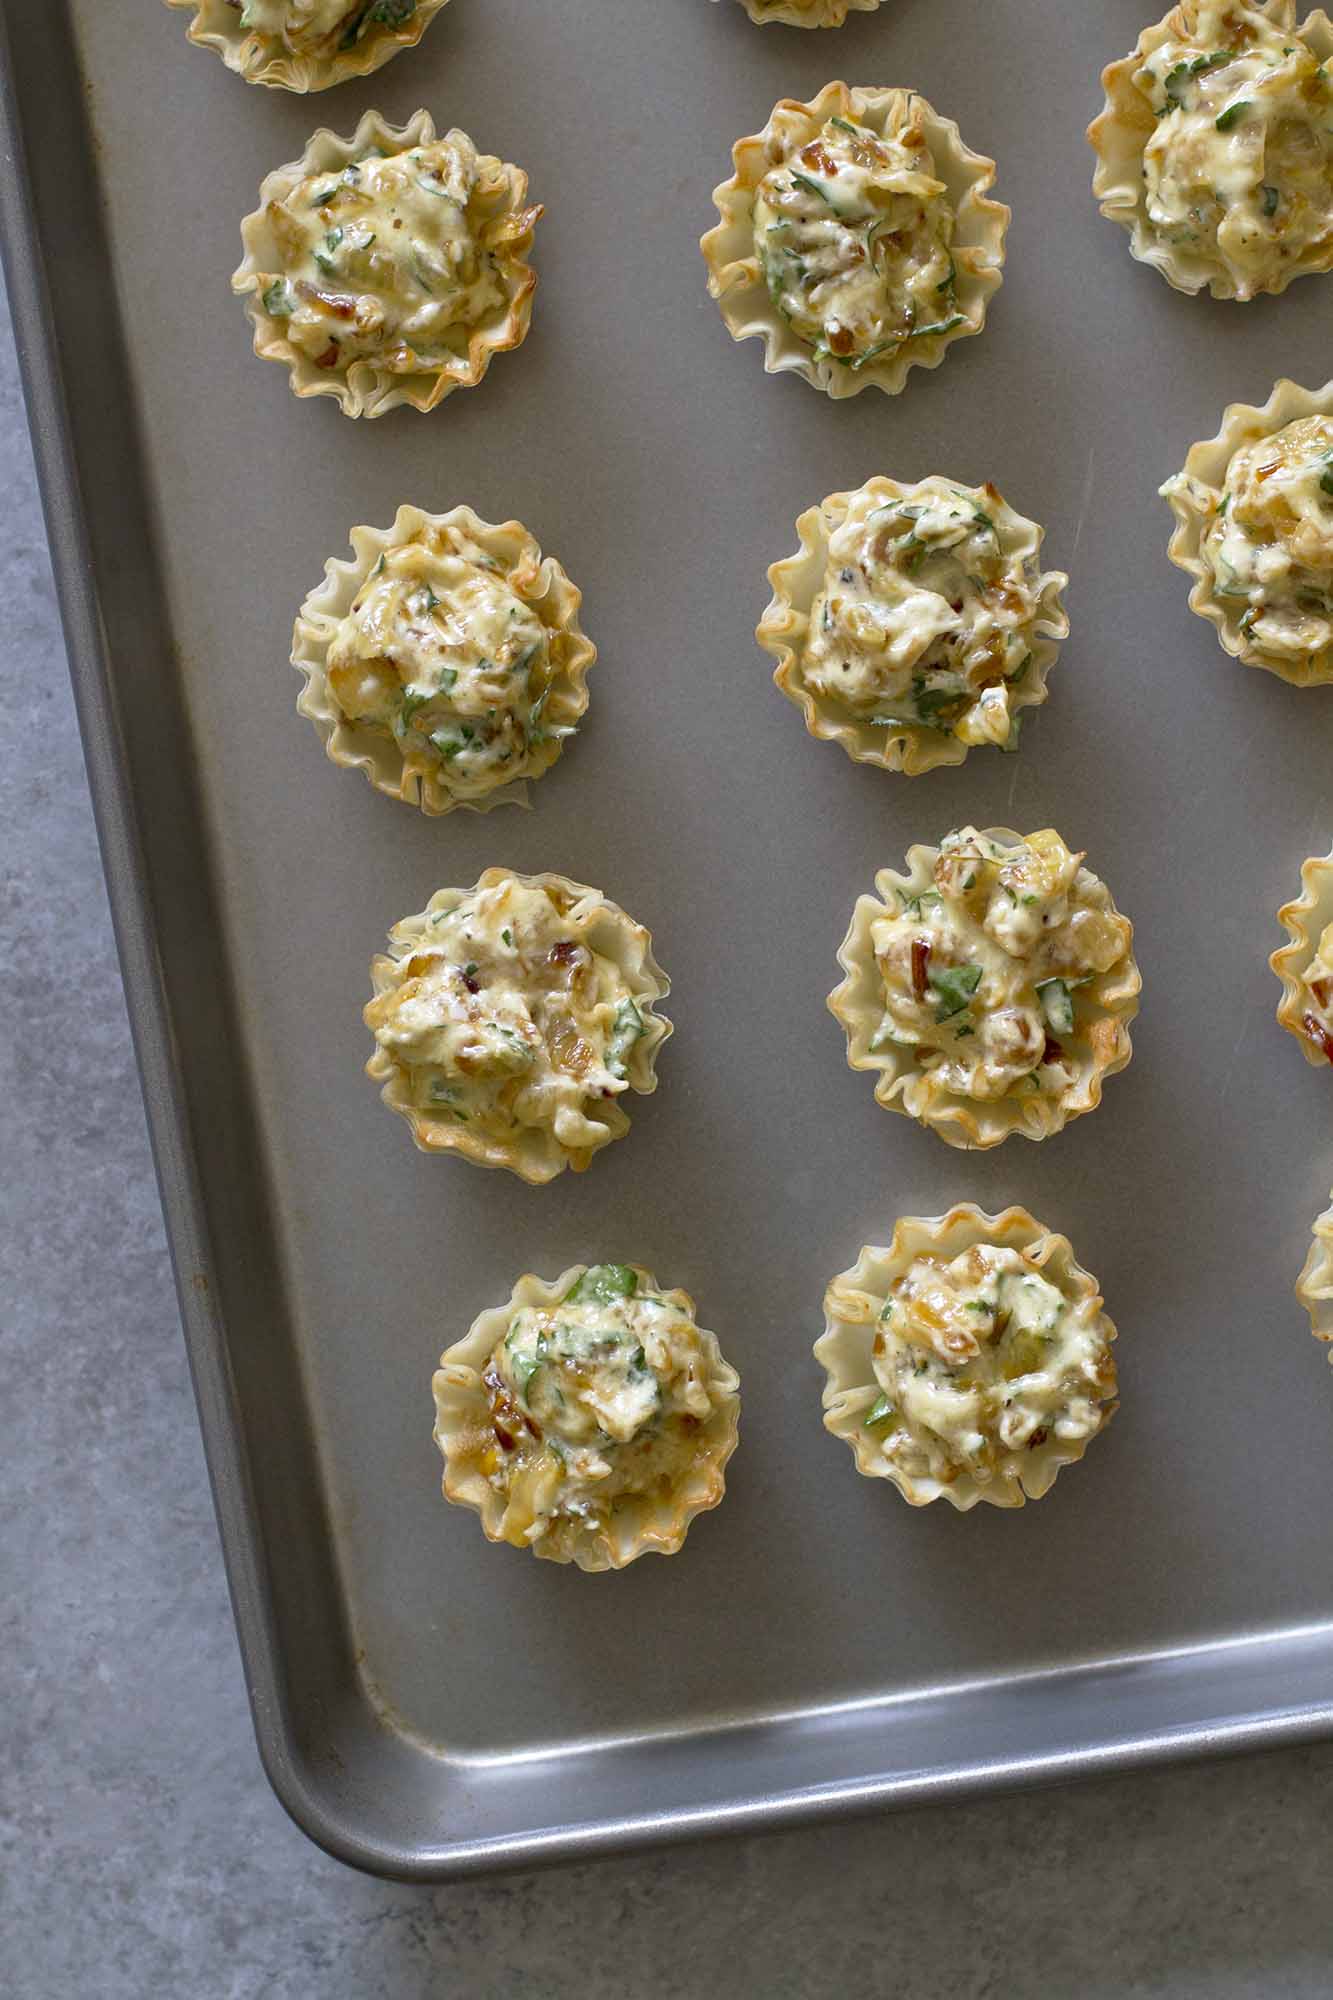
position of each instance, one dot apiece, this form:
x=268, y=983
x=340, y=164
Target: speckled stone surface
x=141, y=1852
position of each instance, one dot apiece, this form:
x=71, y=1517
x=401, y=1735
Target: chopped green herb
x=323, y=253
x=1233, y=114
x=279, y=299
x=377, y=13
x=953, y=986
x=1271, y=198
x=938, y=326
x=1184, y=72
x=813, y=187
x=508, y=937
x=881, y=1415
x=602, y=1284
x=1057, y=1004
x=413, y=699
x=626, y=1029
x=525, y=1366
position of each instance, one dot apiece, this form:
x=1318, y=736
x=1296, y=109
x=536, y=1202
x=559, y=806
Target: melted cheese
x=853, y=234
x=385, y=259
x=1270, y=542
x=439, y=652
x=982, y=972
x=592, y=1399
x=1240, y=165
x=502, y=1017
x=982, y=1358
x=926, y=616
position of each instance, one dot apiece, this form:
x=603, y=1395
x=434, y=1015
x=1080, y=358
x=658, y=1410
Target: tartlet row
x=313, y=44
x=857, y=237
x=447, y=661
x=989, y=988
x=590, y=1418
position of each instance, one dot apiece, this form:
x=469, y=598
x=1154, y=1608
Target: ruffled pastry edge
x=1304, y=920
x=734, y=276
x=539, y=581
x=639, y=1525
x=796, y=582
x=1120, y=131
x=253, y=56
x=844, y=1351
x=361, y=388
x=534, y=1154
x=1193, y=495
x=857, y=1003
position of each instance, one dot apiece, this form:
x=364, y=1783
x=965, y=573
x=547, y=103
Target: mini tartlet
x=446, y=660
x=1305, y=963
x=1314, y=1287
x=588, y=1419
x=991, y=986
x=969, y=1360
x=376, y=318
x=908, y=253
x=914, y=621
x=307, y=44
x=510, y=1018
x=1254, y=528
x=1214, y=148
x=807, y=13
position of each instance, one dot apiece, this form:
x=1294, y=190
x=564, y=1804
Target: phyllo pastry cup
x=1213, y=146
x=969, y=1360
x=510, y=1018
x=857, y=239
x=1314, y=1287
x=307, y=44
x=1254, y=529
x=1305, y=963
x=990, y=988
x=807, y=13
x=446, y=660
x=588, y=1419
x=914, y=621
x=389, y=267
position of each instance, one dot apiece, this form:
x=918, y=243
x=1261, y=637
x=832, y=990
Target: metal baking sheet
x=427, y=1704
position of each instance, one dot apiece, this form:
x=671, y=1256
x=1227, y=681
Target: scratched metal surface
x=427, y=1702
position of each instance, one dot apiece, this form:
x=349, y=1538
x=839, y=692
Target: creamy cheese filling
x=1270, y=542
x=439, y=652
x=982, y=1357
x=853, y=234
x=386, y=257
x=306, y=26
x=1240, y=165
x=502, y=1017
x=982, y=972
x=927, y=611
x=594, y=1398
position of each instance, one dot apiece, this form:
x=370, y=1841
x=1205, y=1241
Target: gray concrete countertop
x=141, y=1852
